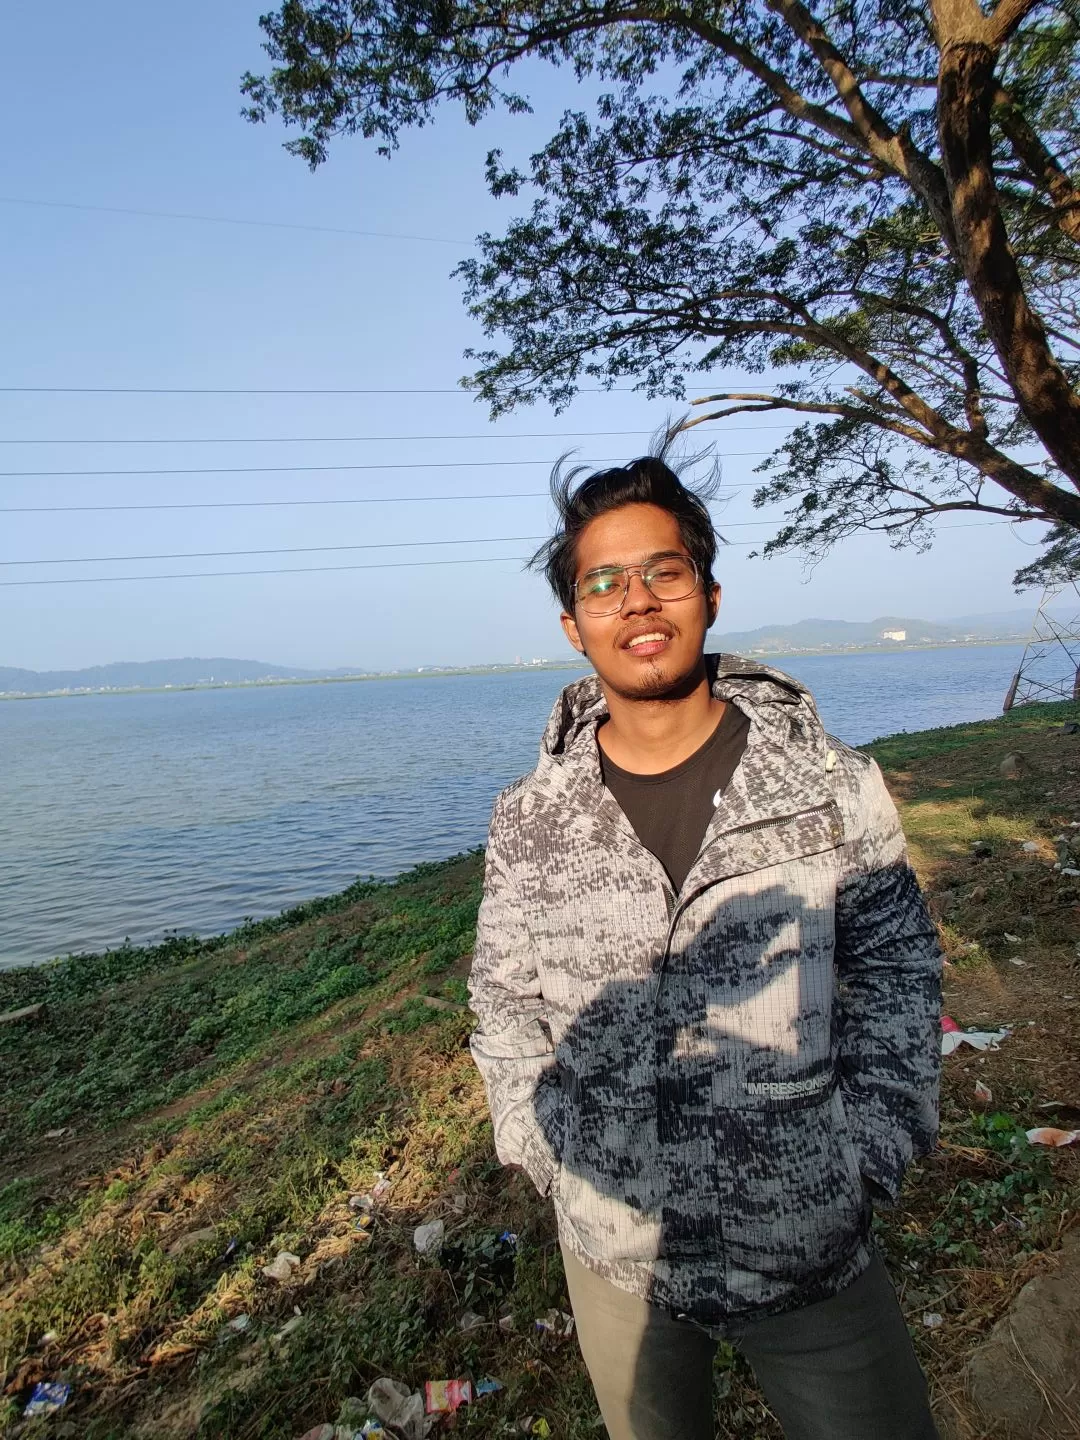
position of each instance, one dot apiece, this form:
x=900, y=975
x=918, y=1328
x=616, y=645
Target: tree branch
x=1039, y=163
x=965, y=93
x=1005, y=18
x=894, y=149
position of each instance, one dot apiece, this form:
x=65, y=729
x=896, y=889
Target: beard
x=659, y=681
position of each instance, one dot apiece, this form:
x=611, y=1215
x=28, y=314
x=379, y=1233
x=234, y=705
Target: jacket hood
x=773, y=701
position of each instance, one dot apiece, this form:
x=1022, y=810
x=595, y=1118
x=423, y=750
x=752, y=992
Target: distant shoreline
x=437, y=672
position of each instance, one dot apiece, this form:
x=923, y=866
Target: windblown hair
x=649, y=480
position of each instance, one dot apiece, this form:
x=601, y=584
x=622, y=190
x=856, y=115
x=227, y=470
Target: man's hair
x=649, y=480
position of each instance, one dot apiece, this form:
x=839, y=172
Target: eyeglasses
x=669, y=577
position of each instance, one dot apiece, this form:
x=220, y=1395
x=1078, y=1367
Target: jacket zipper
x=752, y=826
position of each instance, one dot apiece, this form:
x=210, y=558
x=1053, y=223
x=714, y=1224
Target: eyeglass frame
x=639, y=570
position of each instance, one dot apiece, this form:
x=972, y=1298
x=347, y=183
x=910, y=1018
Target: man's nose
x=639, y=598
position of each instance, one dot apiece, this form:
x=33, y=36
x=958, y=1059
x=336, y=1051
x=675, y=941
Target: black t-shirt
x=670, y=812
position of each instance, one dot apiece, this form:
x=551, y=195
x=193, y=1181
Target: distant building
x=894, y=635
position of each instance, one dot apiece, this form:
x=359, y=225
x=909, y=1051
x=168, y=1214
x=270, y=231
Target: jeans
x=840, y=1369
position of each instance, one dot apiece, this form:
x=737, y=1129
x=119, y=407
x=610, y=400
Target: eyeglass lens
x=602, y=592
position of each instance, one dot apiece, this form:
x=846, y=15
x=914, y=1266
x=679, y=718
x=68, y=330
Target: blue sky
x=135, y=106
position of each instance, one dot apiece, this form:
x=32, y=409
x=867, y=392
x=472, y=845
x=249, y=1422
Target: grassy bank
x=179, y=1115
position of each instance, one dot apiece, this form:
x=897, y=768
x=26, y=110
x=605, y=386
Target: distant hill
x=152, y=674
x=885, y=630
x=766, y=640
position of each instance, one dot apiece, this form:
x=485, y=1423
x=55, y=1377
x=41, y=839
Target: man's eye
x=601, y=585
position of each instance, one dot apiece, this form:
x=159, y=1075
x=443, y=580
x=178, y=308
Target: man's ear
x=712, y=603
x=570, y=630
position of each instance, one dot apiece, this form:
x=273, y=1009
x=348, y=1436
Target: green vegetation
x=228, y=1097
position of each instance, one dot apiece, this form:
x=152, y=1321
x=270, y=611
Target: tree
x=877, y=200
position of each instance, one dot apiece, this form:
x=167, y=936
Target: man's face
x=628, y=664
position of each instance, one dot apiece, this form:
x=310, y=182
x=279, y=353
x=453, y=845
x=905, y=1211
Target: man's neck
x=647, y=737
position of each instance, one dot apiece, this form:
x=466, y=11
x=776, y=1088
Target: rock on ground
x=1025, y=1381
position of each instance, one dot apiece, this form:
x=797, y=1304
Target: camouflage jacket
x=702, y=1081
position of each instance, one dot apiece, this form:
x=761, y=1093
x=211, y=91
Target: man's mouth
x=650, y=642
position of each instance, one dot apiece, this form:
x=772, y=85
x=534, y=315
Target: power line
x=249, y=390
x=279, y=504
x=293, y=570
x=264, y=504
x=305, y=469
x=283, y=390
x=319, y=549
x=283, y=550
x=232, y=220
x=378, y=565
x=356, y=439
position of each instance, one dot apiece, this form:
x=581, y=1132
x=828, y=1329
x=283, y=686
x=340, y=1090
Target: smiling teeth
x=646, y=639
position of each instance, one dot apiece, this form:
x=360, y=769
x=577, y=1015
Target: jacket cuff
x=883, y=1156
x=540, y=1157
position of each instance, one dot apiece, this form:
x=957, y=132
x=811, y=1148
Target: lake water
x=130, y=815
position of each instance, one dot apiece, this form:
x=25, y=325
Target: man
x=708, y=999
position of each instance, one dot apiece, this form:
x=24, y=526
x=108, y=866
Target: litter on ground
x=441, y=1397
x=1048, y=1135
x=488, y=1386
x=931, y=1319
x=983, y=1093
x=952, y=1037
x=555, y=1322
x=395, y=1406
x=428, y=1238
x=47, y=1397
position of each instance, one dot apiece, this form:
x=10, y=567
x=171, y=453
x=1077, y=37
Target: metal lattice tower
x=1050, y=665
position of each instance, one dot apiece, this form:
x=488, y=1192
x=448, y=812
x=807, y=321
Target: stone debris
x=282, y=1267
x=1023, y=1380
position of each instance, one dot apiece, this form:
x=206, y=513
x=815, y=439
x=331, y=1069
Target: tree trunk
x=966, y=88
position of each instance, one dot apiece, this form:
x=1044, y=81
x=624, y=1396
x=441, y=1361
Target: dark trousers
x=840, y=1369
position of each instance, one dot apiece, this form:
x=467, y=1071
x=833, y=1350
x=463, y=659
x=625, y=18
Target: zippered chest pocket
x=777, y=839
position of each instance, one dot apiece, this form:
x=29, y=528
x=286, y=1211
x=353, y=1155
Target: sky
x=139, y=109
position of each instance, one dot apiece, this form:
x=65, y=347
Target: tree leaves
x=762, y=188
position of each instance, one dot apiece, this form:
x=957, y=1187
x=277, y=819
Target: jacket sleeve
x=889, y=973
x=511, y=1044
